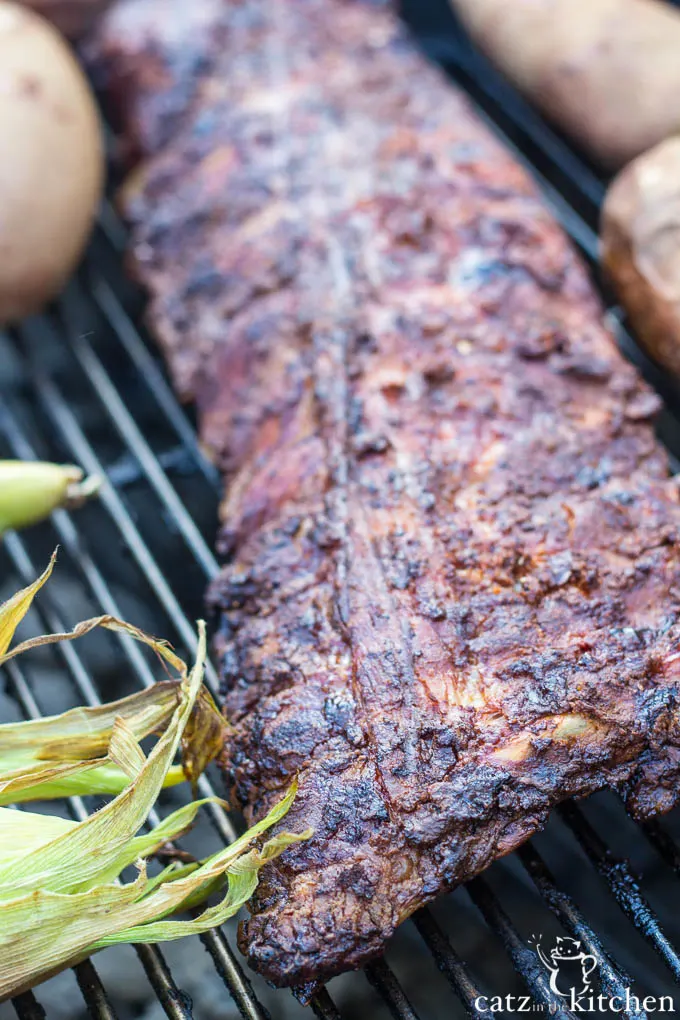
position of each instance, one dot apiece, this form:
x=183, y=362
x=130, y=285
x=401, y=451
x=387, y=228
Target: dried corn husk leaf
x=86, y=732
x=115, y=824
x=68, y=755
x=14, y=610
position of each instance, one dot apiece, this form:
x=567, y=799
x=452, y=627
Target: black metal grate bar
x=450, y=964
x=176, y=1004
x=109, y=605
x=75, y=438
x=323, y=1006
x=662, y=843
x=233, y=975
x=123, y=421
x=28, y=1008
x=614, y=981
x=129, y=338
x=619, y=877
x=93, y=992
x=383, y=980
x=524, y=959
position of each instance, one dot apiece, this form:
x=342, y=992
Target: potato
x=72, y=17
x=52, y=165
x=606, y=71
x=640, y=248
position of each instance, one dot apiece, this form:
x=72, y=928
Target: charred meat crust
x=451, y=589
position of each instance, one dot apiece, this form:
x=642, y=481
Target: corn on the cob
x=31, y=490
x=61, y=892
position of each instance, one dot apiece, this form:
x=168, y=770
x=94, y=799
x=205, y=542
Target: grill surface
x=84, y=384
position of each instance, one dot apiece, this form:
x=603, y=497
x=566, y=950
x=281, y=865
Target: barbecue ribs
x=451, y=584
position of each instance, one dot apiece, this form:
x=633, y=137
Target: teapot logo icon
x=562, y=958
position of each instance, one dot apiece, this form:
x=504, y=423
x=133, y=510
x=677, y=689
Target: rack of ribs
x=451, y=579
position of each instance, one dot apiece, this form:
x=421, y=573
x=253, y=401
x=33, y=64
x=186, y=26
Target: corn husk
x=31, y=490
x=68, y=754
x=62, y=894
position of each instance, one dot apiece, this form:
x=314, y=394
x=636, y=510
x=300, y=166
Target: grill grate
x=82, y=384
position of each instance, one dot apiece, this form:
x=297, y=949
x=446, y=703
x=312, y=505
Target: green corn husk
x=61, y=892
x=31, y=490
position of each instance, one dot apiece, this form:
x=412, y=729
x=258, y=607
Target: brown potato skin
x=606, y=71
x=72, y=17
x=640, y=248
x=52, y=162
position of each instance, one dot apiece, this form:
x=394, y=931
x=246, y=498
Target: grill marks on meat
x=452, y=583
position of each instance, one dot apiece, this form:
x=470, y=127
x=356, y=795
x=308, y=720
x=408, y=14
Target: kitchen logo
x=560, y=963
x=573, y=981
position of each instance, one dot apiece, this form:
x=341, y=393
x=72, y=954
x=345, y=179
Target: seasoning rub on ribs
x=451, y=584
